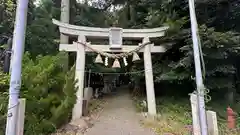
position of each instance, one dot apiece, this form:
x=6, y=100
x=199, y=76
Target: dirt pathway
x=119, y=118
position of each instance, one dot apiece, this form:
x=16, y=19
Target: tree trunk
x=137, y=88
x=7, y=57
x=231, y=96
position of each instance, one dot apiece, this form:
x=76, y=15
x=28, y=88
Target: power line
x=122, y=73
x=136, y=72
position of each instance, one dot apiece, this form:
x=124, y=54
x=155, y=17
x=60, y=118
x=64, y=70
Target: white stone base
x=77, y=114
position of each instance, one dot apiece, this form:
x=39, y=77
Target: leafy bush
x=49, y=92
x=4, y=81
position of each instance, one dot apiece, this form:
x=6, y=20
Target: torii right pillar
x=151, y=102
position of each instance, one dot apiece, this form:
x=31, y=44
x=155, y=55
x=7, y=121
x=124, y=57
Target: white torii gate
x=83, y=32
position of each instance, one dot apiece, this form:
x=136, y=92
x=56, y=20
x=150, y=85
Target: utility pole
x=198, y=70
x=17, y=52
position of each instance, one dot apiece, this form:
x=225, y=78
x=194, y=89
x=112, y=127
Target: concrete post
x=212, y=123
x=149, y=79
x=195, y=116
x=87, y=96
x=79, y=75
x=21, y=116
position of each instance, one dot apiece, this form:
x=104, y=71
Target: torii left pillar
x=79, y=76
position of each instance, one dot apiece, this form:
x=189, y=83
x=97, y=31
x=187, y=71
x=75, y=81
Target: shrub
x=49, y=92
x=4, y=81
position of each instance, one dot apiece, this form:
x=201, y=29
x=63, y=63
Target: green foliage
x=85, y=15
x=7, y=10
x=3, y=100
x=41, y=33
x=224, y=17
x=174, y=115
x=219, y=50
x=4, y=81
x=49, y=92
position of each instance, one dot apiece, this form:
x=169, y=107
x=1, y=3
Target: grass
x=175, y=116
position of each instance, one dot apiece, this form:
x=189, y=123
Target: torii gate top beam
x=74, y=30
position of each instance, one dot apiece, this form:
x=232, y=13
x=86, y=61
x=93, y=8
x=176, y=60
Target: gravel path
x=119, y=118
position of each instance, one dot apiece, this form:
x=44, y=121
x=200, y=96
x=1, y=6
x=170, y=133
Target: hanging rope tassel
x=135, y=57
x=116, y=64
x=125, y=61
x=98, y=59
x=106, y=61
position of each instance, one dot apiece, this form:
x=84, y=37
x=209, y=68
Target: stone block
x=88, y=93
x=212, y=123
